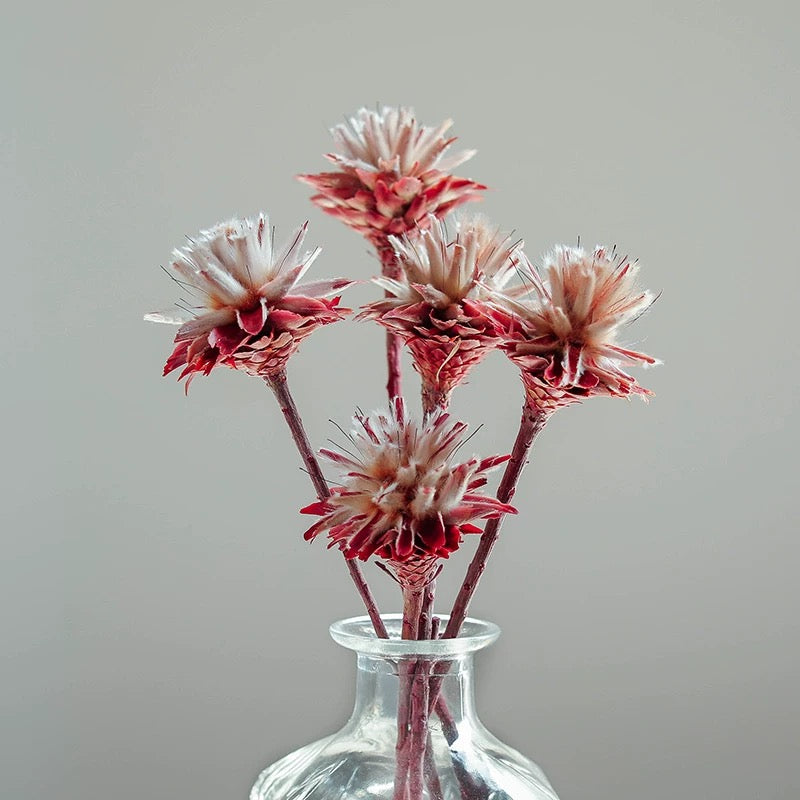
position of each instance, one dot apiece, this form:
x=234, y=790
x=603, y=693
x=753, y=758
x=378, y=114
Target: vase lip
x=357, y=633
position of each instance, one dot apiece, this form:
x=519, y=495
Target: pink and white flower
x=249, y=310
x=440, y=302
x=561, y=330
x=402, y=498
x=391, y=174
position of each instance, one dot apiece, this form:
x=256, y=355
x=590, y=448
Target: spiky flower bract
x=402, y=497
x=562, y=333
x=249, y=310
x=440, y=301
x=391, y=174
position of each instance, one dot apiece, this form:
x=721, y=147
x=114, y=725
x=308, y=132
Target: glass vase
x=414, y=733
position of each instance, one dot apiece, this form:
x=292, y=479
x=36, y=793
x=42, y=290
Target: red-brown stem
x=412, y=608
x=530, y=426
x=394, y=346
x=366, y=596
x=415, y=761
x=412, y=720
x=419, y=730
x=429, y=629
x=394, y=349
x=426, y=611
x=280, y=388
x=402, y=747
x=405, y=732
x=431, y=776
x=404, y=670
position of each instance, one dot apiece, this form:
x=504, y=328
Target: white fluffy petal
x=171, y=316
x=392, y=139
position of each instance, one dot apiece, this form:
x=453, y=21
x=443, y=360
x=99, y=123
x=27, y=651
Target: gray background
x=164, y=624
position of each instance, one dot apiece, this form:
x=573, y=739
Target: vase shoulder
x=339, y=767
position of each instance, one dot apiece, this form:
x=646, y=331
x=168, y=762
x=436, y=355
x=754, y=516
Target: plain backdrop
x=164, y=623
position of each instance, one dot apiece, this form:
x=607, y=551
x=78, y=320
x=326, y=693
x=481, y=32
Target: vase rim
x=357, y=633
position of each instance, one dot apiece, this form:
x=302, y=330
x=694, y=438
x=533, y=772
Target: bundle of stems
x=419, y=696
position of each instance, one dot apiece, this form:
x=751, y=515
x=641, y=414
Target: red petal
x=314, y=530
x=253, y=319
x=226, y=339
x=177, y=358
x=453, y=537
x=434, y=535
x=588, y=380
x=404, y=545
x=319, y=507
x=468, y=527
x=492, y=461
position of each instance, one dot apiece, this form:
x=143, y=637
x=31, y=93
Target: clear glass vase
x=414, y=733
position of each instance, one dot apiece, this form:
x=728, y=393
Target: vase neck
x=379, y=681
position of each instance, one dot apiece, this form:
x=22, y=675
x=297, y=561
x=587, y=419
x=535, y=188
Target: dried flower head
x=402, y=497
x=439, y=304
x=391, y=173
x=563, y=332
x=251, y=312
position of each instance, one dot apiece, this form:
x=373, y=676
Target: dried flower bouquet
x=455, y=287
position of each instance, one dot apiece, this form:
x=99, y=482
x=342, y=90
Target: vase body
x=414, y=733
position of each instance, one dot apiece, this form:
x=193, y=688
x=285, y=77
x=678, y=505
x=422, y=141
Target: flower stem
x=426, y=611
x=419, y=730
x=394, y=346
x=406, y=710
x=280, y=388
x=412, y=712
x=412, y=609
x=431, y=776
x=429, y=629
x=531, y=424
x=363, y=590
